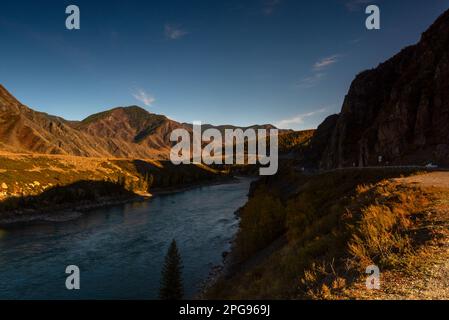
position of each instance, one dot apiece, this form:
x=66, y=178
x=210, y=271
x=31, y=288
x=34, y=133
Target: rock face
x=397, y=113
x=313, y=153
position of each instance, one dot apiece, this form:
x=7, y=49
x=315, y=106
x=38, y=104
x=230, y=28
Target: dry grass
x=31, y=175
x=381, y=224
x=382, y=234
x=335, y=226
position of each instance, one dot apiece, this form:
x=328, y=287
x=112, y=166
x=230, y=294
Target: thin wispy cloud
x=270, y=6
x=174, y=32
x=318, y=73
x=145, y=98
x=298, y=120
x=310, y=82
x=326, y=62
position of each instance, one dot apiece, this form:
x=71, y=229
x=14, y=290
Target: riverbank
x=171, y=190
x=227, y=267
x=120, y=250
x=324, y=232
x=64, y=212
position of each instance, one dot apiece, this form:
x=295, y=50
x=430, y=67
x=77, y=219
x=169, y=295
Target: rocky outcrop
x=312, y=154
x=397, y=113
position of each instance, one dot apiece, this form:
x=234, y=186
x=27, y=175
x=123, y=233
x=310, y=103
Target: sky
x=242, y=62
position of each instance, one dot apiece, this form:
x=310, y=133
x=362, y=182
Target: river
x=120, y=250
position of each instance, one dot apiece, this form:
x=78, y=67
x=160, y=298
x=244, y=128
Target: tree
x=171, y=283
x=149, y=179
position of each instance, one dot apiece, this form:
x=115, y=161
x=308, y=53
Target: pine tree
x=171, y=283
x=150, y=181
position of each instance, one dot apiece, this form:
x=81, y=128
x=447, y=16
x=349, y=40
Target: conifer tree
x=171, y=283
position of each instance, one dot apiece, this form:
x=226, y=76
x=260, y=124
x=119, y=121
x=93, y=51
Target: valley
x=43, y=187
x=367, y=188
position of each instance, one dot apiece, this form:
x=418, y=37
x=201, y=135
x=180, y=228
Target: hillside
x=30, y=184
x=312, y=237
x=25, y=130
x=398, y=111
x=429, y=280
x=132, y=132
x=123, y=132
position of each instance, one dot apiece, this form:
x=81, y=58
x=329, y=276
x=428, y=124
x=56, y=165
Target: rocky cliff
x=397, y=113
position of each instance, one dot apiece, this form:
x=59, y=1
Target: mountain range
x=395, y=114
x=123, y=132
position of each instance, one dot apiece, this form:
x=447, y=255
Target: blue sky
x=241, y=62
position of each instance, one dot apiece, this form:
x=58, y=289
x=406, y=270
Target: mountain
x=398, y=111
x=131, y=131
x=123, y=132
x=25, y=130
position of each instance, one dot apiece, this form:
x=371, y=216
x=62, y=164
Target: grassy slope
x=295, y=140
x=32, y=175
x=313, y=236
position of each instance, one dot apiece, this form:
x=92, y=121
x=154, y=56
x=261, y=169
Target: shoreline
x=73, y=211
x=226, y=268
x=172, y=190
x=70, y=212
x=64, y=213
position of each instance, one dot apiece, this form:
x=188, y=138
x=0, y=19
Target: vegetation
x=36, y=178
x=64, y=196
x=151, y=175
x=171, y=283
x=315, y=240
x=19, y=172
x=294, y=140
x=135, y=114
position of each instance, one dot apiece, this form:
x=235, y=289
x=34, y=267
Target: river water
x=120, y=250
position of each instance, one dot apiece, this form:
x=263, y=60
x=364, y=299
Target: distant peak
x=135, y=115
x=136, y=109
